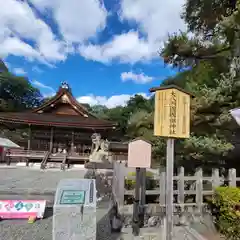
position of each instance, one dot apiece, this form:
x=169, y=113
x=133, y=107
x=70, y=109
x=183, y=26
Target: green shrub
x=150, y=182
x=226, y=202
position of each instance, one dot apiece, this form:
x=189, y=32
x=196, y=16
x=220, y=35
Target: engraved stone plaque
x=74, y=210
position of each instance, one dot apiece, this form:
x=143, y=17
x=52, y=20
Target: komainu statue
x=99, y=152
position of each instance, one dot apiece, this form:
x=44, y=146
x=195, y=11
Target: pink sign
x=139, y=154
x=22, y=209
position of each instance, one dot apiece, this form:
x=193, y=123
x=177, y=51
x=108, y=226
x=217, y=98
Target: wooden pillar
x=72, y=142
x=51, y=140
x=29, y=136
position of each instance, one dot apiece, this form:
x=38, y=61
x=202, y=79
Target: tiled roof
x=59, y=120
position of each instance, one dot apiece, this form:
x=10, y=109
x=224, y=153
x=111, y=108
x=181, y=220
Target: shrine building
x=60, y=125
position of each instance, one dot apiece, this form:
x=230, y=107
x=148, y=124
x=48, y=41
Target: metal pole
x=169, y=189
x=135, y=222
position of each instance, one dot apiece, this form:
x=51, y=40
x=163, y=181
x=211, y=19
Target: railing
x=45, y=159
x=117, y=156
x=64, y=162
x=197, y=186
x=83, y=156
x=24, y=153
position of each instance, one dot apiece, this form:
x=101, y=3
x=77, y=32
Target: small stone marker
x=74, y=210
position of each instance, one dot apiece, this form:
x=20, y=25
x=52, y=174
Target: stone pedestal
x=74, y=213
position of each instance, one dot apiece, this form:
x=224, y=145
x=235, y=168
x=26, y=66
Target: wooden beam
x=51, y=140
x=72, y=142
x=29, y=137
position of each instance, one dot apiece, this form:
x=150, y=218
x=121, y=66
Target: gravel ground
x=41, y=229
x=34, y=179
x=22, y=183
x=21, y=230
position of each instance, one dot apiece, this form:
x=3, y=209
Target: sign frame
x=172, y=112
x=80, y=192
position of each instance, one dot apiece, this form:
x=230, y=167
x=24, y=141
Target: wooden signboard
x=172, y=113
x=139, y=154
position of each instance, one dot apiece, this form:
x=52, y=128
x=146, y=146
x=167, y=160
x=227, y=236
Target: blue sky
x=106, y=50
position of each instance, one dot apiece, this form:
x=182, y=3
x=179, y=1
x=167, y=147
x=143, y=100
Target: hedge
x=150, y=182
x=226, y=202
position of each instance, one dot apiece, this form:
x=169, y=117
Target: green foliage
x=122, y=114
x=3, y=67
x=227, y=202
x=140, y=124
x=210, y=53
x=17, y=93
x=130, y=182
x=203, y=16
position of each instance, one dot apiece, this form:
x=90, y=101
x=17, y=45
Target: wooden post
x=162, y=197
x=29, y=137
x=143, y=196
x=232, y=177
x=136, y=204
x=215, y=178
x=162, y=184
x=51, y=140
x=72, y=142
x=121, y=183
x=143, y=186
x=117, y=179
x=181, y=186
x=199, y=190
x=169, y=188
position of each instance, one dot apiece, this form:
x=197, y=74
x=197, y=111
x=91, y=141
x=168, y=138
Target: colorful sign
x=72, y=197
x=172, y=114
x=22, y=209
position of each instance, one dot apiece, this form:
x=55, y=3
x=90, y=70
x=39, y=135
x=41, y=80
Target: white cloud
x=155, y=18
x=16, y=47
x=36, y=69
x=137, y=78
x=110, y=102
x=48, y=95
x=18, y=20
x=18, y=23
x=127, y=47
x=77, y=20
x=43, y=86
x=19, y=71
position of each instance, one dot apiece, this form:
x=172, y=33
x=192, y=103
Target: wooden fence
x=197, y=185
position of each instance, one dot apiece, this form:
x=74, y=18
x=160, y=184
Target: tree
x=140, y=124
x=99, y=111
x=17, y=93
x=213, y=76
x=121, y=114
x=3, y=67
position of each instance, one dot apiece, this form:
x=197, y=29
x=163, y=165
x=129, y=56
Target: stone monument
x=74, y=210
